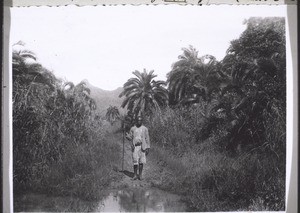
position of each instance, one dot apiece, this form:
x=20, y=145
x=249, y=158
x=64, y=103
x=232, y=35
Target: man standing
x=140, y=146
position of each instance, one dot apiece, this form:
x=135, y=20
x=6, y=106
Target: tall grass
x=59, y=142
x=208, y=175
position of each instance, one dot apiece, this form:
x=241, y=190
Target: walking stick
x=123, y=147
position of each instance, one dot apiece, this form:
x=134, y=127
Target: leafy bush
x=206, y=172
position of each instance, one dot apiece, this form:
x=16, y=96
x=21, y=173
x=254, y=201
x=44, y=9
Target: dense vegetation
x=218, y=126
x=58, y=141
x=223, y=132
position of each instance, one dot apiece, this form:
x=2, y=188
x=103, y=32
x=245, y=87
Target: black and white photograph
x=166, y=108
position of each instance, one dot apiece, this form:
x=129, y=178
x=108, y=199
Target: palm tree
x=29, y=73
x=33, y=84
x=143, y=94
x=112, y=114
x=254, y=82
x=193, y=77
x=80, y=92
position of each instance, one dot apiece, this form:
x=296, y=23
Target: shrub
x=206, y=172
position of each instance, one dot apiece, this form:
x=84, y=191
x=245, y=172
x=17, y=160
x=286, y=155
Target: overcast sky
x=105, y=44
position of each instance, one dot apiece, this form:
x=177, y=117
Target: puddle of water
x=127, y=200
x=141, y=200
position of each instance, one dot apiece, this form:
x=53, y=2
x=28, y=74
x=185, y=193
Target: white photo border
x=292, y=95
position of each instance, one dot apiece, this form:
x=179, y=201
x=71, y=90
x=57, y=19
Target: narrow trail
x=126, y=194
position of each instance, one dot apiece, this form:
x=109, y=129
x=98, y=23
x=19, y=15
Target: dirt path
x=126, y=194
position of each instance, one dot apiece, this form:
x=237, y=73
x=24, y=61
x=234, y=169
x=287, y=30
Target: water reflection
x=140, y=200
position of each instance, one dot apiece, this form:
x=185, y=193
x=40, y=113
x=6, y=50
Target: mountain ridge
x=105, y=98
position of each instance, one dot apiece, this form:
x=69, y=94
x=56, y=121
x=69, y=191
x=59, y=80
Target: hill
x=105, y=98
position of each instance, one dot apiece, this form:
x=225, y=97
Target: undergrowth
x=211, y=179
